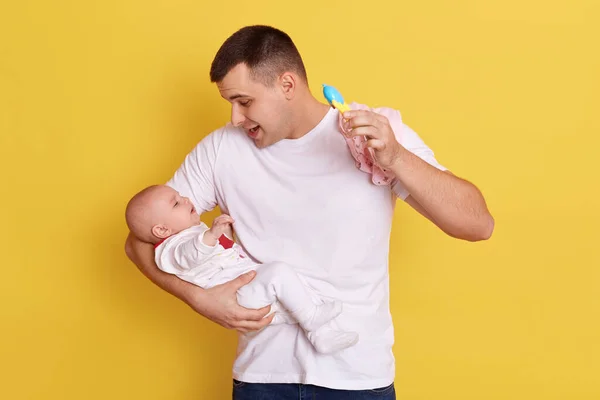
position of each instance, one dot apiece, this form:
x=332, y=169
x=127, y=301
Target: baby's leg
x=278, y=281
x=282, y=316
x=330, y=339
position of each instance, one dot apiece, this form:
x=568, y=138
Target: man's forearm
x=142, y=255
x=453, y=204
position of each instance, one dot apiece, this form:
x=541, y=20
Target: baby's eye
x=176, y=203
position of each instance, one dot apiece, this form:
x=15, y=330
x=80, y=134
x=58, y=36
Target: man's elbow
x=477, y=231
x=129, y=247
x=487, y=228
x=483, y=229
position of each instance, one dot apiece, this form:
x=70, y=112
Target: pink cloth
x=364, y=155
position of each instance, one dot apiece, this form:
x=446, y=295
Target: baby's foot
x=327, y=340
x=317, y=316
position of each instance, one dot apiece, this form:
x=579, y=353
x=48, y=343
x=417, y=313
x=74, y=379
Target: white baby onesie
x=277, y=284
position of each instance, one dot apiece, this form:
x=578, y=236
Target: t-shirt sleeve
x=195, y=178
x=411, y=141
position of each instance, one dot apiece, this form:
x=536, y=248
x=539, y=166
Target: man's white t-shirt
x=304, y=202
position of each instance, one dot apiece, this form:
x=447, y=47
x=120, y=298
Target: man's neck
x=310, y=112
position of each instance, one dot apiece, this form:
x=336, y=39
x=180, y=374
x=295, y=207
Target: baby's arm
x=188, y=257
x=221, y=225
x=193, y=254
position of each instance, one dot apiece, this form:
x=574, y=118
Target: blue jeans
x=292, y=391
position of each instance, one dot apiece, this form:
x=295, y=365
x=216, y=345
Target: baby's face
x=174, y=211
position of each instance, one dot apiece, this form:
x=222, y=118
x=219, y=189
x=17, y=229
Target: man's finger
x=381, y=118
x=255, y=325
x=241, y=280
x=368, y=131
x=360, y=121
x=375, y=144
x=356, y=113
x=247, y=314
x=255, y=315
x=364, y=117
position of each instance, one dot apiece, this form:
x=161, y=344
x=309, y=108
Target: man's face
x=262, y=111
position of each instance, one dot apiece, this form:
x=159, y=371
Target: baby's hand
x=222, y=225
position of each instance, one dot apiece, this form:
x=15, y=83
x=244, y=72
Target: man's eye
x=245, y=103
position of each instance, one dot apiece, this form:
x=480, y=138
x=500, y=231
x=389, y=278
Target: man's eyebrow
x=237, y=96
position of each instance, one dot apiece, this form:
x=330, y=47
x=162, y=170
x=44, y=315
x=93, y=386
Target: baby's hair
x=137, y=211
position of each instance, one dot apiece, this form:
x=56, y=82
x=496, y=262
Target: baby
x=187, y=248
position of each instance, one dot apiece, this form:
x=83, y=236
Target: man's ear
x=161, y=231
x=288, y=83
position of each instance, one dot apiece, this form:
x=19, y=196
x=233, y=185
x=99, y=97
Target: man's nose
x=237, y=118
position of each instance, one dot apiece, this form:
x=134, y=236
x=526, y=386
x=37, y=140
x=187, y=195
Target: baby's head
x=158, y=212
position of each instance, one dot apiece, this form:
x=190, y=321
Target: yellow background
x=99, y=98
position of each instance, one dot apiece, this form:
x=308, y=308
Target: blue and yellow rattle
x=335, y=99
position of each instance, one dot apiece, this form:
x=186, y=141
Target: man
x=285, y=174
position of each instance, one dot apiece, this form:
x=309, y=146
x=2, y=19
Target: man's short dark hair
x=266, y=51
